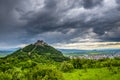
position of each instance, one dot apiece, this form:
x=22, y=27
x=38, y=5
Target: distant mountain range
x=97, y=51
x=9, y=49
x=5, y=52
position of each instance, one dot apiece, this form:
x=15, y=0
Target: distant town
x=96, y=56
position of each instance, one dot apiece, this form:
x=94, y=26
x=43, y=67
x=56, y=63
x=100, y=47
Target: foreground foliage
x=83, y=69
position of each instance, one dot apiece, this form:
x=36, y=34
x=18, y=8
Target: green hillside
x=40, y=61
x=38, y=50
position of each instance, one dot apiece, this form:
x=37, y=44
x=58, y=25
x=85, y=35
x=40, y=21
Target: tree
x=66, y=67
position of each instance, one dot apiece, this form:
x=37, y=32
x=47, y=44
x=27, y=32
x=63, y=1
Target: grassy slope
x=92, y=74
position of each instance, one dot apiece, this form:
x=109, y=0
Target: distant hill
x=39, y=50
x=5, y=52
x=72, y=50
x=89, y=52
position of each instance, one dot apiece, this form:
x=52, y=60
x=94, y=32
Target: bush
x=39, y=73
x=66, y=67
x=5, y=76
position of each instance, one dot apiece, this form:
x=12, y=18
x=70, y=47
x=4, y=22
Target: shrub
x=39, y=73
x=5, y=76
x=66, y=67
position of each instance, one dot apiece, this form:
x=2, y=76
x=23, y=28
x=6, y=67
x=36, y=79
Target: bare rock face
x=40, y=42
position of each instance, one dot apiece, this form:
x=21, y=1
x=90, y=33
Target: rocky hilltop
x=40, y=43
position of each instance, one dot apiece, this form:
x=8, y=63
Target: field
x=92, y=74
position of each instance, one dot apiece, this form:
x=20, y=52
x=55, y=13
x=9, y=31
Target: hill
x=5, y=52
x=39, y=50
x=75, y=52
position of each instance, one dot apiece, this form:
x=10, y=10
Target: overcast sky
x=78, y=24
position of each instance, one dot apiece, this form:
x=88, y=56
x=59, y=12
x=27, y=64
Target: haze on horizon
x=69, y=24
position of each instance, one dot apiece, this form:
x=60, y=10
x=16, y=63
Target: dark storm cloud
x=22, y=21
x=91, y=3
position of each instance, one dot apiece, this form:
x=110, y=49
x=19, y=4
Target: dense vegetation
x=36, y=52
x=13, y=69
x=46, y=63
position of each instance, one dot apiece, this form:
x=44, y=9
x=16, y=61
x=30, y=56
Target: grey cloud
x=91, y=3
x=56, y=18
